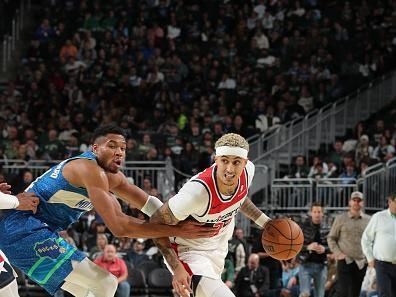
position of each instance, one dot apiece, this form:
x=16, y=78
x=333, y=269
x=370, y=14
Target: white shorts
x=11, y=290
x=209, y=287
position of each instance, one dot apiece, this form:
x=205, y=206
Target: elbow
x=127, y=228
x=118, y=231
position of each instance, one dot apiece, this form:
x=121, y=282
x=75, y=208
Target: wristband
x=8, y=201
x=151, y=206
x=262, y=220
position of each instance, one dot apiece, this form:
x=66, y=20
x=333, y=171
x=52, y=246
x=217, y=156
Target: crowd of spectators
x=372, y=141
x=178, y=74
x=246, y=266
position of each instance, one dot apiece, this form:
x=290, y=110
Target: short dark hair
x=107, y=129
x=316, y=204
x=392, y=196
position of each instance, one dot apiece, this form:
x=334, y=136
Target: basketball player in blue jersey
x=66, y=191
x=23, y=201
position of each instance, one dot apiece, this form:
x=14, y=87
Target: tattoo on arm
x=169, y=254
x=250, y=210
x=165, y=216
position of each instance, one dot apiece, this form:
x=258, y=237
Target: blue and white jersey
x=31, y=241
x=61, y=203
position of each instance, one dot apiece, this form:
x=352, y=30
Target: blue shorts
x=38, y=251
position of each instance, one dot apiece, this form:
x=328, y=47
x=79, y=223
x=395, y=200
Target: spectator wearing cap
x=137, y=255
x=344, y=241
x=364, y=151
x=110, y=262
x=379, y=247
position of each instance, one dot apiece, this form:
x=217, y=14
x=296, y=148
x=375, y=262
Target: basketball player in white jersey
x=23, y=201
x=214, y=197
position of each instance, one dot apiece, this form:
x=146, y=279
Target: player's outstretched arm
x=87, y=174
x=252, y=212
x=131, y=194
x=22, y=201
x=181, y=279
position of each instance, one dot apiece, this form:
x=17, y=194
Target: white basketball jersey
x=200, y=199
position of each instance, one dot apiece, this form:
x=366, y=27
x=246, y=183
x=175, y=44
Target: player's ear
x=94, y=148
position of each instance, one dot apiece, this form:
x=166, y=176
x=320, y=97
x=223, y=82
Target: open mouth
x=229, y=176
x=117, y=162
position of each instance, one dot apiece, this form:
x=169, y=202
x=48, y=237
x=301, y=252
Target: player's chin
x=229, y=182
x=113, y=168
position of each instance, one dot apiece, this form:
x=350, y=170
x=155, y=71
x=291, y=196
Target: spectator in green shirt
x=228, y=274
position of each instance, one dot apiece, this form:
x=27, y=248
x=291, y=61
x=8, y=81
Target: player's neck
x=228, y=192
x=226, y=189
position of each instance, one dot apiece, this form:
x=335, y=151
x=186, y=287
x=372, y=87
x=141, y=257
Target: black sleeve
x=257, y=246
x=238, y=280
x=264, y=288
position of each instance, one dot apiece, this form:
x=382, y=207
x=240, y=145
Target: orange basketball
x=282, y=239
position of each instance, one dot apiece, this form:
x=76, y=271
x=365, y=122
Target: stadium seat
x=138, y=282
x=147, y=266
x=160, y=282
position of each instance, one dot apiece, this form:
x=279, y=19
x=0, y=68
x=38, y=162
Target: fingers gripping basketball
x=282, y=239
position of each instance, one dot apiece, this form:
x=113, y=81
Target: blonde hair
x=232, y=139
x=101, y=236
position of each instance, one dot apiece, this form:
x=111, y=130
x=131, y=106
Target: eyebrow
x=231, y=158
x=116, y=142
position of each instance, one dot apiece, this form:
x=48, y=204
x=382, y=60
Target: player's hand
x=192, y=229
x=28, y=201
x=371, y=264
x=5, y=188
x=181, y=281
